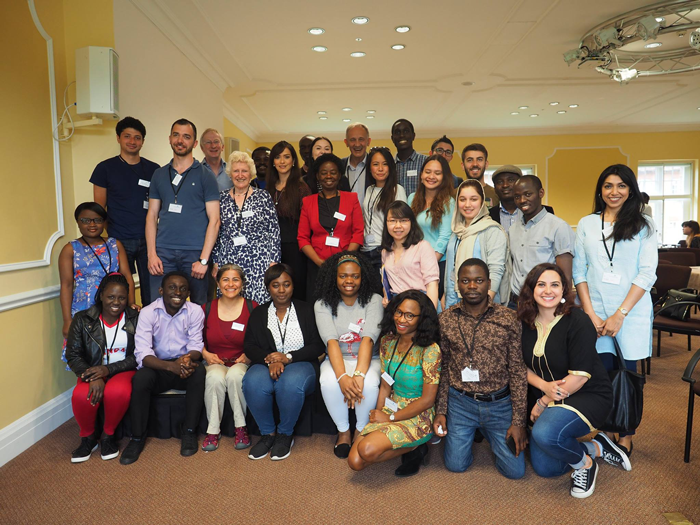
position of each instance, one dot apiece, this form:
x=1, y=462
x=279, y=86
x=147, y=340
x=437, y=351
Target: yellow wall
x=231, y=130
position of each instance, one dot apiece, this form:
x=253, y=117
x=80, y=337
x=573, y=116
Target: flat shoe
x=342, y=451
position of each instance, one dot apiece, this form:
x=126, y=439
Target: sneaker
x=282, y=447
x=583, y=481
x=612, y=453
x=262, y=447
x=88, y=445
x=211, y=442
x=189, y=444
x=242, y=439
x=109, y=449
x=132, y=451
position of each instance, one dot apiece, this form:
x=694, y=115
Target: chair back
x=694, y=251
x=680, y=258
x=671, y=277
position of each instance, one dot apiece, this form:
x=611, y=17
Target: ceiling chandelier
x=659, y=39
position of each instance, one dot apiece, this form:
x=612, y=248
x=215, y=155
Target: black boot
x=411, y=461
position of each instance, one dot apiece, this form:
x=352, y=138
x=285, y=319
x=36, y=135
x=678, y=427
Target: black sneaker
x=132, y=451
x=109, y=449
x=88, y=445
x=282, y=447
x=189, y=445
x=262, y=447
x=612, y=453
x=583, y=481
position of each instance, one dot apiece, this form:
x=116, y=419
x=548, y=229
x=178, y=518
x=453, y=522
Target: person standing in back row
x=475, y=160
x=409, y=163
x=213, y=148
x=355, y=165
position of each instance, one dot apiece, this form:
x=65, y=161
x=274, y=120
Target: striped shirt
x=409, y=171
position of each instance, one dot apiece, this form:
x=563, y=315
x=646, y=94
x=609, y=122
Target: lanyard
x=396, y=344
x=182, y=182
x=283, y=335
x=328, y=209
x=133, y=170
x=104, y=334
x=347, y=168
x=470, y=349
x=608, y=252
x=372, y=205
x=106, y=270
x=239, y=219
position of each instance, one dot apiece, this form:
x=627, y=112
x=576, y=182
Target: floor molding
x=31, y=428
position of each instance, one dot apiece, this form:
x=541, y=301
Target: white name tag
x=369, y=238
x=240, y=241
x=354, y=328
x=386, y=377
x=339, y=216
x=238, y=327
x=145, y=205
x=145, y=183
x=333, y=241
x=612, y=278
x=470, y=376
x=391, y=404
x=247, y=213
x=412, y=173
x=175, y=208
x=177, y=179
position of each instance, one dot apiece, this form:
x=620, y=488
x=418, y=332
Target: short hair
x=90, y=206
x=327, y=280
x=401, y=210
x=275, y=272
x=212, y=130
x=112, y=278
x=356, y=125
x=326, y=157
x=693, y=225
x=527, y=307
x=131, y=122
x=232, y=266
x=185, y=122
x=475, y=147
x=536, y=182
x=475, y=262
x=175, y=273
x=240, y=156
x=410, y=124
x=442, y=139
x=260, y=148
x=428, y=328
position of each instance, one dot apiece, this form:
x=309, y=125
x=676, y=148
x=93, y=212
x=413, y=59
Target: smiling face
x=230, y=284
x=281, y=290
x=548, y=291
x=527, y=198
x=240, y=176
x=322, y=146
x=407, y=309
x=174, y=292
x=469, y=203
x=614, y=193
x=357, y=140
x=348, y=279
x=328, y=176
x=379, y=168
x=503, y=184
x=473, y=285
x=398, y=227
x=283, y=162
x=475, y=164
x=402, y=136
x=90, y=230
x=431, y=176
x=212, y=146
x=261, y=158
x=182, y=140
x=130, y=141
x=445, y=150
x=114, y=297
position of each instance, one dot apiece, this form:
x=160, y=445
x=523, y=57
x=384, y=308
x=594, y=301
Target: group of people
x=430, y=306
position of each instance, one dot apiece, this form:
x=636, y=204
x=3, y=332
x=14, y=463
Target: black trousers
x=148, y=381
x=292, y=256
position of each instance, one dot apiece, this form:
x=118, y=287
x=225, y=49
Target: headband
x=348, y=258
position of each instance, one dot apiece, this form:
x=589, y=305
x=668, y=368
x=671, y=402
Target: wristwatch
x=203, y=262
x=288, y=355
x=623, y=311
x=392, y=417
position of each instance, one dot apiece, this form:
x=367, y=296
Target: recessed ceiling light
x=398, y=47
x=573, y=105
x=323, y=118
x=652, y=45
x=346, y=120
x=467, y=83
x=403, y=29
x=358, y=40
x=534, y=115
x=523, y=107
x=554, y=103
x=358, y=54
x=360, y=20
x=660, y=19
x=372, y=116
x=320, y=49
x=515, y=113
x=561, y=112
x=347, y=109
x=321, y=112
x=317, y=30
x=371, y=111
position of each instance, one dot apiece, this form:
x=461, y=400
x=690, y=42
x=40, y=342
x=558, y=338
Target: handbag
x=680, y=312
x=628, y=396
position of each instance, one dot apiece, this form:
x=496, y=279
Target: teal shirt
x=437, y=237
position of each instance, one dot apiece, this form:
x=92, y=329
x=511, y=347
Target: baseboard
x=17, y=437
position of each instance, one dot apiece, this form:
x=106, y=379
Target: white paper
x=238, y=327
x=412, y=173
x=354, y=328
x=240, y=241
x=145, y=205
x=469, y=375
x=333, y=241
x=247, y=213
x=391, y=404
x=386, y=377
x=612, y=278
x=175, y=208
x=339, y=216
x=177, y=179
x=145, y=183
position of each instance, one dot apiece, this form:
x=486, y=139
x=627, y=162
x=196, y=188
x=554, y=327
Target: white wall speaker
x=97, y=81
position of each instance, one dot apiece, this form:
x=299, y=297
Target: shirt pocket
x=541, y=250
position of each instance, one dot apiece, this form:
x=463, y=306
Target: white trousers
x=219, y=380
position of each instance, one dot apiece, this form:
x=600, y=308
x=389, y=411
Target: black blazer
x=369, y=180
x=495, y=212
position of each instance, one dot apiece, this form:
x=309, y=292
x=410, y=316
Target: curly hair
x=441, y=201
x=327, y=280
x=241, y=156
x=112, y=278
x=428, y=331
x=528, y=308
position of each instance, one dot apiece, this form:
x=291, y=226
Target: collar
x=195, y=164
x=160, y=305
x=222, y=168
x=503, y=210
x=359, y=164
x=489, y=308
x=413, y=157
x=537, y=218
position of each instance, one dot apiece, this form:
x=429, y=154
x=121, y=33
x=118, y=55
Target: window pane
x=677, y=179
x=676, y=211
x=650, y=179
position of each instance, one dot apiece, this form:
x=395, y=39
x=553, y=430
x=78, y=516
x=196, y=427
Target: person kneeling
x=168, y=348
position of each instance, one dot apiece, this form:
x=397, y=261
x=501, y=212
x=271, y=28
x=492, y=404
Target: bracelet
x=539, y=402
x=341, y=377
x=358, y=373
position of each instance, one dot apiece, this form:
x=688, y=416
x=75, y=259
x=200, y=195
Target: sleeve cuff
x=580, y=373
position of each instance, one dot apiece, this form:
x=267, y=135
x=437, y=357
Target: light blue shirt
x=222, y=178
x=437, y=237
x=507, y=218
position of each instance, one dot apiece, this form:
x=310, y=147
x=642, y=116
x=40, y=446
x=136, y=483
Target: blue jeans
x=137, y=254
x=610, y=363
x=296, y=382
x=180, y=260
x=553, y=446
x=464, y=416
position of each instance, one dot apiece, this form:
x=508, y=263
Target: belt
x=493, y=396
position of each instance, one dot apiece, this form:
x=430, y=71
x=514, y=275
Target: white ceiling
x=273, y=83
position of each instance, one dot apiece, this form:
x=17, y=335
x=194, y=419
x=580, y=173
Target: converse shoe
x=211, y=442
x=262, y=447
x=188, y=443
x=583, y=481
x=109, y=449
x=282, y=447
x=612, y=453
x=88, y=445
x=242, y=439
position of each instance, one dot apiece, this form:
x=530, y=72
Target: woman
x=225, y=322
x=410, y=358
x=570, y=392
x=330, y=222
x=409, y=261
x=100, y=351
x=283, y=346
x=322, y=146
x=614, y=268
x=84, y=262
x=432, y=204
x=476, y=234
x=249, y=233
x=691, y=230
x=378, y=197
x=287, y=189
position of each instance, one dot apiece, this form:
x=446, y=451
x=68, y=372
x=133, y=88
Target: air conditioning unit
x=97, y=81
x=232, y=145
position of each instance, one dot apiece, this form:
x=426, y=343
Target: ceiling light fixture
x=321, y=112
x=403, y=29
x=561, y=112
x=554, y=103
x=346, y=120
x=320, y=49
x=398, y=47
x=347, y=109
x=624, y=74
x=515, y=113
x=534, y=115
x=523, y=107
x=648, y=28
x=371, y=111
x=323, y=118
x=660, y=19
x=358, y=54
x=317, y=30
x=370, y=116
x=360, y=20
x=573, y=105
x=358, y=40
x=653, y=45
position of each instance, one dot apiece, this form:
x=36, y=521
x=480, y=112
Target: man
x=444, y=147
x=506, y=213
x=213, y=147
x=261, y=158
x=355, y=165
x=305, y=153
x=537, y=237
x=409, y=162
x=183, y=215
x=483, y=383
x=121, y=185
x=475, y=160
x=168, y=346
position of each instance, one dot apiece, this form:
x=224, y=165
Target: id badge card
x=175, y=208
x=470, y=376
x=145, y=183
x=145, y=205
x=354, y=328
x=389, y=380
x=339, y=216
x=369, y=238
x=246, y=214
x=238, y=327
x=412, y=173
x=332, y=241
x=612, y=278
x=391, y=404
x=240, y=241
x=177, y=179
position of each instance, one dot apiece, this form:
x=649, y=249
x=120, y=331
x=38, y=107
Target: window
x=527, y=169
x=670, y=190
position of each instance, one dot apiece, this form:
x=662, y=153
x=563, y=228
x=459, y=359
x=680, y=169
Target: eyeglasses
x=406, y=315
x=441, y=151
x=86, y=221
x=393, y=222
x=216, y=142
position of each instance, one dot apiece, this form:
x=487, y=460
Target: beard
x=182, y=154
x=481, y=174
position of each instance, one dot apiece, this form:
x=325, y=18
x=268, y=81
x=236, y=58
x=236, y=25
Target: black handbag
x=628, y=397
x=682, y=311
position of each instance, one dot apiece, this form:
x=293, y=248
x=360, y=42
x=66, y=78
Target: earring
x=562, y=300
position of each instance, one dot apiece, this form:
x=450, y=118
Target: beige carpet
x=312, y=486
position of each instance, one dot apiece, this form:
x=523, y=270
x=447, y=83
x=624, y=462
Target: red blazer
x=348, y=231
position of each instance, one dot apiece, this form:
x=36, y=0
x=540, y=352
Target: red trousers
x=117, y=395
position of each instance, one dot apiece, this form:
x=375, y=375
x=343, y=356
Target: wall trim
x=10, y=302
x=28, y=430
x=232, y=116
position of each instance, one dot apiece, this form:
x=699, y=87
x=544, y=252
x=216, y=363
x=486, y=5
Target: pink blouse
x=416, y=269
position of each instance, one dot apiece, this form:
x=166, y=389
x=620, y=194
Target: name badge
x=145, y=183
x=354, y=328
x=612, y=278
x=391, y=404
x=175, y=208
x=333, y=241
x=145, y=205
x=386, y=377
x=240, y=241
x=177, y=179
x=470, y=376
x=369, y=238
x=412, y=173
x=238, y=327
x=339, y=216
x=247, y=213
